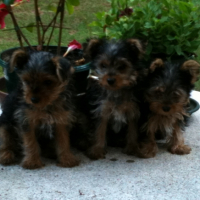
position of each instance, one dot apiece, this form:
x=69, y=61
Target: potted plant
x=44, y=31
x=169, y=29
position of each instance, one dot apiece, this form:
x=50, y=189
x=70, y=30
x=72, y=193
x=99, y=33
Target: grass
x=77, y=24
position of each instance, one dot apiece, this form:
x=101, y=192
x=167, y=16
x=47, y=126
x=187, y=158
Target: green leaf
x=149, y=49
x=73, y=2
x=169, y=37
x=100, y=15
x=30, y=27
x=164, y=19
x=187, y=43
x=195, y=44
x=147, y=25
x=170, y=49
x=109, y=19
x=70, y=8
x=52, y=8
x=178, y=50
x=95, y=23
x=8, y=2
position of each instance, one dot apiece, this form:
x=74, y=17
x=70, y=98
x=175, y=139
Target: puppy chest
x=161, y=123
x=48, y=117
x=119, y=114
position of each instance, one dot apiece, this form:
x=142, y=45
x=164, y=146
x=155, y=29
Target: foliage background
x=76, y=24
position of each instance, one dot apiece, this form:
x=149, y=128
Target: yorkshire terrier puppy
x=41, y=107
x=112, y=92
x=166, y=96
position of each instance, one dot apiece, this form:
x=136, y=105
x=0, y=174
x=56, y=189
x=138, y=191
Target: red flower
x=126, y=12
x=3, y=13
x=71, y=46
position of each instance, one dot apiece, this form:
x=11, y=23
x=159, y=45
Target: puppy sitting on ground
x=112, y=92
x=167, y=92
x=42, y=106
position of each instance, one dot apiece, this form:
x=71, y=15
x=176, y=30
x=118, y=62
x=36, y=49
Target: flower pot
x=193, y=106
x=81, y=72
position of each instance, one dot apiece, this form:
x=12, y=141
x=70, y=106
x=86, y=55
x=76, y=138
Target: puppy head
x=115, y=63
x=44, y=76
x=169, y=85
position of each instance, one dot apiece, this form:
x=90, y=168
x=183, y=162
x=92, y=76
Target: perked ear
x=19, y=59
x=156, y=64
x=137, y=46
x=192, y=67
x=63, y=68
x=91, y=48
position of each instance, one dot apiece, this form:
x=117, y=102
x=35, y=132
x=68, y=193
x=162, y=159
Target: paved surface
x=118, y=177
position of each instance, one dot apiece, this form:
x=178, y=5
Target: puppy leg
x=176, y=142
x=131, y=140
x=32, y=158
x=148, y=149
x=8, y=146
x=65, y=157
x=97, y=151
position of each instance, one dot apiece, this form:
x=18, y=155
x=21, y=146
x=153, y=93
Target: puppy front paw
x=32, y=163
x=148, y=150
x=68, y=160
x=7, y=157
x=130, y=150
x=179, y=149
x=96, y=153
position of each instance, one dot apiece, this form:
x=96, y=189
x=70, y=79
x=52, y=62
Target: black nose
x=35, y=100
x=166, y=108
x=111, y=81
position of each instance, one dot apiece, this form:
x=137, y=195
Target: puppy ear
x=156, y=64
x=136, y=46
x=91, y=48
x=192, y=67
x=63, y=68
x=19, y=59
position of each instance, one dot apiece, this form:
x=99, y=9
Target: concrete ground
x=118, y=177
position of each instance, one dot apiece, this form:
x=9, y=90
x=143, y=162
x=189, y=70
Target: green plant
x=44, y=31
x=167, y=27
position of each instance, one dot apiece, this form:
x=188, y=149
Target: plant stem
x=62, y=7
x=37, y=18
x=54, y=18
x=49, y=25
x=50, y=36
x=11, y=29
x=18, y=30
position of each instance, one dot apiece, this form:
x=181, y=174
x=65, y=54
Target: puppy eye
x=47, y=82
x=103, y=65
x=158, y=92
x=27, y=82
x=176, y=94
x=121, y=67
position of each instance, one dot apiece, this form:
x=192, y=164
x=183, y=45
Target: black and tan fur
x=112, y=93
x=41, y=108
x=166, y=96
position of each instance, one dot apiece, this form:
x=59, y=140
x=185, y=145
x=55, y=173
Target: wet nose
x=111, y=81
x=166, y=108
x=35, y=100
